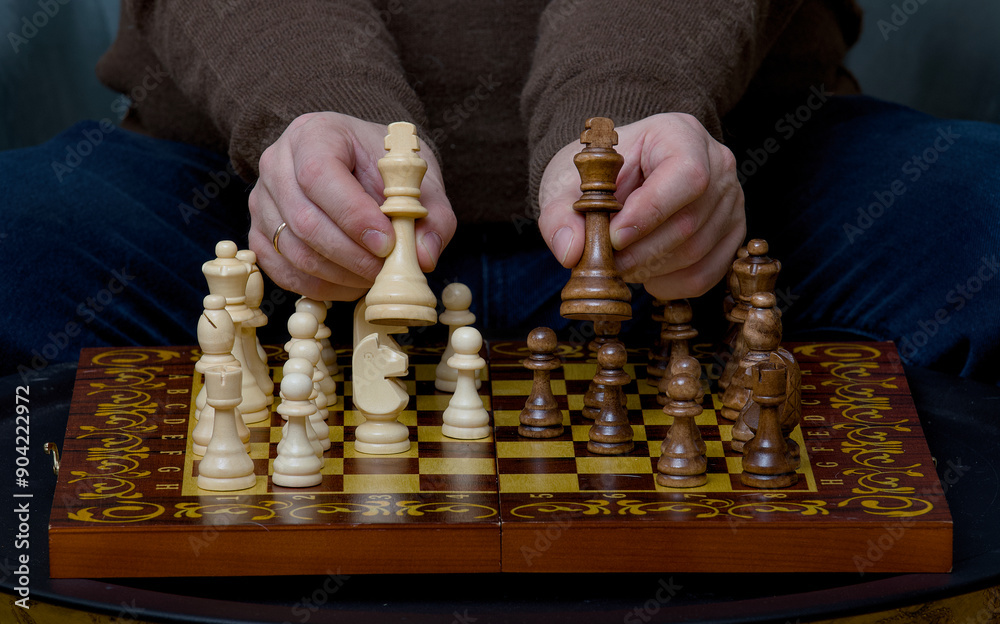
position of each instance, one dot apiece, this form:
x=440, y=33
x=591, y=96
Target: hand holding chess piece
x=315, y=221
x=682, y=217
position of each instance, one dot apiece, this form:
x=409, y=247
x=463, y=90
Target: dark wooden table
x=963, y=430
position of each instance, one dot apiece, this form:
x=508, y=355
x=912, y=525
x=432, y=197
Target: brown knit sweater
x=495, y=86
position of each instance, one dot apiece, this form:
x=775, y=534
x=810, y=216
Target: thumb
x=560, y=225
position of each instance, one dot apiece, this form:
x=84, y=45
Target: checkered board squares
x=563, y=464
x=434, y=462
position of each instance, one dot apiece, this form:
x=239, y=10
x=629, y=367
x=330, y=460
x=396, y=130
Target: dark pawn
x=611, y=433
x=607, y=333
x=766, y=460
x=689, y=366
x=683, y=462
x=659, y=354
x=541, y=416
x=674, y=336
x=685, y=365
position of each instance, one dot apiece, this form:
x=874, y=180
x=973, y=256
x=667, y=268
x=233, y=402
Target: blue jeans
x=107, y=230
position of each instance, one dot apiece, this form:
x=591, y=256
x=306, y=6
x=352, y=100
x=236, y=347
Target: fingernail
x=376, y=241
x=562, y=240
x=432, y=244
x=622, y=238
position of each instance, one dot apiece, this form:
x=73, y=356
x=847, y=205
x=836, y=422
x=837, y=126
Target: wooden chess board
x=127, y=502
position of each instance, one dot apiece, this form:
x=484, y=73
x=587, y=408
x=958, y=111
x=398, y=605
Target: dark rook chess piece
x=595, y=290
x=541, y=416
x=767, y=462
x=611, y=433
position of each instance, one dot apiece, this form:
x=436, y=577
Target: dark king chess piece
x=595, y=290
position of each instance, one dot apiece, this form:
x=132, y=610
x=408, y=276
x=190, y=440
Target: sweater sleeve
x=251, y=67
x=630, y=60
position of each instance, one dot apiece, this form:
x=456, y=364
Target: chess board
x=127, y=502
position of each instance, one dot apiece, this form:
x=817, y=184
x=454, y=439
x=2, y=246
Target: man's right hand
x=320, y=178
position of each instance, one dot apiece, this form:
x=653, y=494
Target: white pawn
x=456, y=298
x=302, y=326
x=256, y=356
x=466, y=418
x=300, y=366
x=226, y=465
x=296, y=464
x=323, y=333
x=216, y=334
x=309, y=351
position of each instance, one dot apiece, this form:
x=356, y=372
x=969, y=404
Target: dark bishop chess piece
x=762, y=332
x=682, y=461
x=767, y=462
x=675, y=332
x=541, y=416
x=607, y=333
x=611, y=433
x=756, y=272
x=595, y=290
x=729, y=303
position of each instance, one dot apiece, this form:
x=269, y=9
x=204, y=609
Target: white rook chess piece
x=302, y=327
x=296, y=464
x=226, y=465
x=400, y=295
x=216, y=334
x=466, y=418
x=379, y=397
x=228, y=276
x=456, y=298
x=302, y=366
